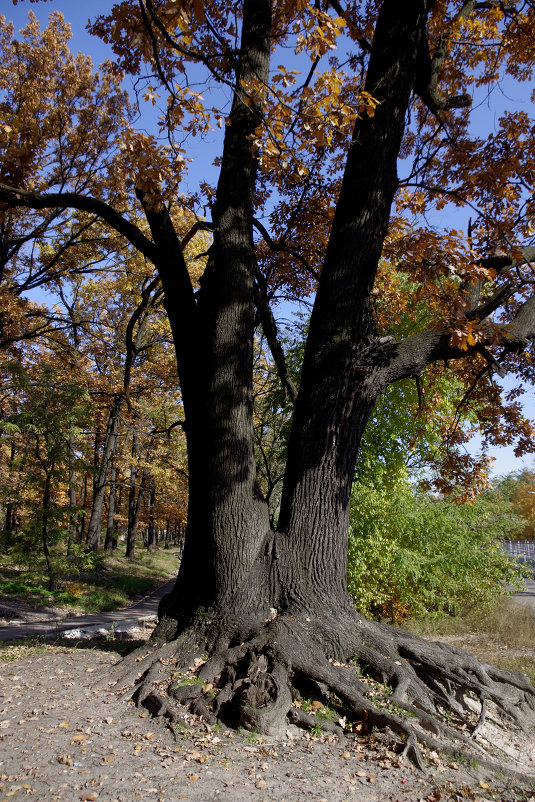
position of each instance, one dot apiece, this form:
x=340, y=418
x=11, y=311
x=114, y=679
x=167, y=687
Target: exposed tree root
x=300, y=671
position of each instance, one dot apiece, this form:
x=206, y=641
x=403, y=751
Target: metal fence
x=523, y=549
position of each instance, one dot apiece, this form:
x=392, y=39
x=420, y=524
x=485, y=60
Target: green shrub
x=411, y=553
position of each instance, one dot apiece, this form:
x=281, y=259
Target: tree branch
x=281, y=246
x=132, y=345
x=363, y=42
x=269, y=327
x=522, y=329
x=200, y=225
x=410, y=357
x=195, y=55
x=429, y=67
x=14, y=196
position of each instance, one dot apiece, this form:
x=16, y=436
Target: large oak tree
x=318, y=155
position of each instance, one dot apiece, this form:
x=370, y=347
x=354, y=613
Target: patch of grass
x=36, y=644
x=186, y=682
x=328, y=713
x=116, y=583
x=249, y=736
x=110, y=593
x=10, y=651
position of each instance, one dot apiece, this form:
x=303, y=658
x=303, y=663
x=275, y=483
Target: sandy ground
x=62, y=740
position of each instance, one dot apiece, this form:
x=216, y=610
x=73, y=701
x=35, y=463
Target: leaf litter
x=62, y=740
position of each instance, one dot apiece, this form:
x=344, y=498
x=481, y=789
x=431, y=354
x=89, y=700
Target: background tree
x=318, y=160
x=49, y=417
x=519, y=489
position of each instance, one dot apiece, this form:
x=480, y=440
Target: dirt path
x=62, y=740
x=527, y=596
x=139, y=616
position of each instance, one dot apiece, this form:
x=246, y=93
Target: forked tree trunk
x=271, y=609
x=246, y=566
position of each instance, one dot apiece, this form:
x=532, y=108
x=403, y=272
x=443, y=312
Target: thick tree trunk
x=339, y=385
x=271, y=610
x=246, y=566
x=228, y=527
x=272, y=619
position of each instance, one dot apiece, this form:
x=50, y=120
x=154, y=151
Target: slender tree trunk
x=108, y=544
x=83, y=516
x=167, y=534
x=101, y=474
x=151, y=528
x=10, y=516
x=9, y=525
x=44, y=532
x=134, y=501
x=73, y=518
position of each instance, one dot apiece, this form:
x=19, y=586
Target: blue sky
x=78, y=14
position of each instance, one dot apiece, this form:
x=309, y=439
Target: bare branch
x=269, y=327
x=200, y=225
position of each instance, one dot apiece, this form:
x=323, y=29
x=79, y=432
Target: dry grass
x=503, y=635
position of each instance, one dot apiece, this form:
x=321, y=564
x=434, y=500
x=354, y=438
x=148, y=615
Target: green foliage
x=273, y=411
x=90, y=582
x=519, y=488
x=411, y=553
x=399, y=436
x=50, y=413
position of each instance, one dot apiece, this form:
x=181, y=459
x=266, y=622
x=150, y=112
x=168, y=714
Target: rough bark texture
x=273, y=614
x=228, y=526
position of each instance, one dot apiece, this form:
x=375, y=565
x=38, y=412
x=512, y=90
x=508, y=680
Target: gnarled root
x=298, y=671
